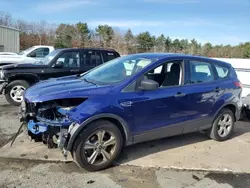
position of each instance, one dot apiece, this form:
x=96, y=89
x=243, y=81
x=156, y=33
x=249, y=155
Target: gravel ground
x=25, y=173
x=9, y=121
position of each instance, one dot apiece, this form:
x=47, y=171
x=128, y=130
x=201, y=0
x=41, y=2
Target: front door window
x=70, y=59
x=40, y=52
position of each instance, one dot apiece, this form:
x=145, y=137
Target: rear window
x=222, y=72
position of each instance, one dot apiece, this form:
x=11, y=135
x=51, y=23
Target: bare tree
x=6, y=19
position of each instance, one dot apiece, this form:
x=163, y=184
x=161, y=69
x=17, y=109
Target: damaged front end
x=48, y=121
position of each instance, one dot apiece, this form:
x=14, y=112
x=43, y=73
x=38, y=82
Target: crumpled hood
x=63, y=88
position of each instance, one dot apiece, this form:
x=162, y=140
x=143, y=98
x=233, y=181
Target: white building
x=9, y=39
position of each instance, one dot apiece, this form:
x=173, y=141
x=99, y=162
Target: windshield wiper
x=88, y=81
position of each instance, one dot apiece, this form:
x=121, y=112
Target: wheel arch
x=232, y=106
x=121, y=124
x=30, y=78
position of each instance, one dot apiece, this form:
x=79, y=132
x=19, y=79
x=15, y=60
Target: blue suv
x=132, y=99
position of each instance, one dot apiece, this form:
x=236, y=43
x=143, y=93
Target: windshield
x=47, y=59
x=116, y=70
x=26, y=51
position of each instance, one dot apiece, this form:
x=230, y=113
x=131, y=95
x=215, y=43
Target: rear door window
x=70, y=59
x=92, y=58
x=200, y=72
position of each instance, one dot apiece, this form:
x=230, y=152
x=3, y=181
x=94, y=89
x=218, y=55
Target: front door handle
x=126, y=103
x=179, y=94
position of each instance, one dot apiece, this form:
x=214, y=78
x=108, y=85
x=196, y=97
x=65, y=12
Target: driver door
x=69, y=62
x=158, y=113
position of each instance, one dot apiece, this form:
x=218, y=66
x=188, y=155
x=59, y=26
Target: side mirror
x=32, y=54
x=149, y=85
x=59, y=64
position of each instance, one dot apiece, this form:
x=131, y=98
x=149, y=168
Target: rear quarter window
x=223, y=72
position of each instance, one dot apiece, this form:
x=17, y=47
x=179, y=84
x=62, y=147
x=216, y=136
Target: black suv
x=60, y=62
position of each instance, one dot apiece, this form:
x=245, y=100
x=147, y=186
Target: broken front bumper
x=36, y=127
x=53, y=133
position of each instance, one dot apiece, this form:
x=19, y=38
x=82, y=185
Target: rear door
x=201, y=93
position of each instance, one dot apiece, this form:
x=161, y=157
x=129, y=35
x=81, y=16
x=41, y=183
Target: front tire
x=98, y=145
x=223, y=125
x=14, y=92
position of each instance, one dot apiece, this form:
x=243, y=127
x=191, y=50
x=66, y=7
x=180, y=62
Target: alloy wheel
x=99, y=147
x=225, y=125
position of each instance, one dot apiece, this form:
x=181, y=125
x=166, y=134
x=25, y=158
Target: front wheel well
x=119, y=125
x=124, y=132
x=28, y=78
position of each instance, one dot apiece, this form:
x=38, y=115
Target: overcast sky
x=216, y=21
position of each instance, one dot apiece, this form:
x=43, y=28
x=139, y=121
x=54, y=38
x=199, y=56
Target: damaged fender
x=76, y=129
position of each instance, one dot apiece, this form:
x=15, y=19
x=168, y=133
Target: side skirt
x=173, y=130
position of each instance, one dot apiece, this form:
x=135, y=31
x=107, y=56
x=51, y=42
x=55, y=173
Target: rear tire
x=14, y=91
x=97, y=146
x=223, y=125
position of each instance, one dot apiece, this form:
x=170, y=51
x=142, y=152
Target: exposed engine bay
x=48, y=122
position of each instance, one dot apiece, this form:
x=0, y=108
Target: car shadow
x=152, y=147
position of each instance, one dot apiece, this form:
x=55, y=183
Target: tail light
x=238, y=84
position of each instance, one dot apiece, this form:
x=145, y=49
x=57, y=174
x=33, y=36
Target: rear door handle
x=126, y=103
x=179, y=94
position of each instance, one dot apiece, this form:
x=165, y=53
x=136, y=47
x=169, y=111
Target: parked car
x=29, y=55
x=94, y=115
x=61, y=62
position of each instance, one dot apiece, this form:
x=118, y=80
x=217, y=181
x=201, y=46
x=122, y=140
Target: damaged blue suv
x=132, y=99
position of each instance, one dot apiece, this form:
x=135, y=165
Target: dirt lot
x=26, y=173
x=9, y=122
x=23, y=174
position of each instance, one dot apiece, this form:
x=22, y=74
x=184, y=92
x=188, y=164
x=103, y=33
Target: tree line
x=125, y=42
